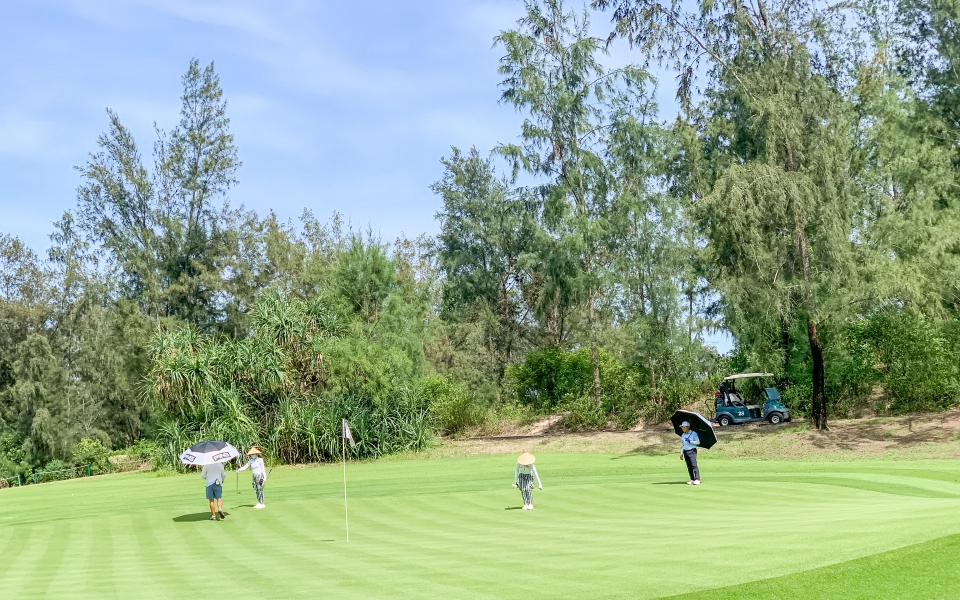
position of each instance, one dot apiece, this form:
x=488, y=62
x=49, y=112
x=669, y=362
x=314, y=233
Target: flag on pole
x=347, y=435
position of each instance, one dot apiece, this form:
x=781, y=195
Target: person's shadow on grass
x=513, y=508
x=669, y=483
x=194, y=517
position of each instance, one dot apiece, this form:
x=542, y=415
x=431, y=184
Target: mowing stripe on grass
x=926, y=570
x=602, y=528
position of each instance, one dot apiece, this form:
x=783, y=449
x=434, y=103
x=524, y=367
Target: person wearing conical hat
x=259, y=471
x=523, y=475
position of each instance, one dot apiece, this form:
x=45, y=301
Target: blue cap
x=685, y=424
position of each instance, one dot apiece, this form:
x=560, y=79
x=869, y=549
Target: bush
x=55, y=470
x=93, y=453
x=13, y=458
x=453, y=408
x=552, y=378
x=547, y=376
x=145, y=450
x=892, y=361
x=582, y=413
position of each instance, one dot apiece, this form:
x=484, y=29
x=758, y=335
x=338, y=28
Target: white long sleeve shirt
x=214, y=473
x=526, y=470
x=690, y=440
x=257, y=466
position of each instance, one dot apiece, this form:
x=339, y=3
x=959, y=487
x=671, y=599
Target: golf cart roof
x=747, y=376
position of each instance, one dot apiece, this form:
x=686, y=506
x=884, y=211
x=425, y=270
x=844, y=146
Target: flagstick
x=346, y=514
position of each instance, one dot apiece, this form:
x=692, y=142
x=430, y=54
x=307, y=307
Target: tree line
x=803, y=199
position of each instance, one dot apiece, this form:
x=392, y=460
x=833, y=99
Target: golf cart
x=732, y=406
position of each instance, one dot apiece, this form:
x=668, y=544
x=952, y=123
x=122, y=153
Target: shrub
x=55, y=470
x=583, y=413
x=914, y=358
x=552, y=378
x=145, y=450
x=547, y=376
x=453, y=408
x=93, y=453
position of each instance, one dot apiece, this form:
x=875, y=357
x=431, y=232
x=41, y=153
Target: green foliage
x=453, y=408
x=580, y=413
x=178, y=246
x=546, y=377
x=353, y=352
x=55, y=470
x=143, y=449
x=805, y=201
x=915, y=358
x=552, y=379
x=13, y=458
x=93, y=453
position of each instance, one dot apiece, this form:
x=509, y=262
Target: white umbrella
x=208, y=453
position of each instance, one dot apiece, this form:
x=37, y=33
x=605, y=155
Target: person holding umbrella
x=688, y=451
x=695, y=431
x=211, y=455
x=214, y=475
x=259, y=471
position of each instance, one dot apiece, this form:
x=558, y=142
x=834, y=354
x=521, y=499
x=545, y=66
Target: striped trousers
x=258, y=488
x=525, y=483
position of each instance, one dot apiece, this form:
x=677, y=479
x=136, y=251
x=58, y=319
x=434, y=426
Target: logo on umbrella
x=221, y=456
x=188, y=457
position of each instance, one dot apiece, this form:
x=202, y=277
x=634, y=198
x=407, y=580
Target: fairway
x=606, y=526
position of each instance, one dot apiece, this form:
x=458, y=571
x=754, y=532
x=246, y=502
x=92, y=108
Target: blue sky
x=335, y=106
x=343, y=106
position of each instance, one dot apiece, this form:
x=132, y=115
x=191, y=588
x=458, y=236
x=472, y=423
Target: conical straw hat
x=526, y=459
x=253, y=450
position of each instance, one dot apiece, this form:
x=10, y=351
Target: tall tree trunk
x=594, y=354
x=785, y=323
x=819, y=405
x=819, y=400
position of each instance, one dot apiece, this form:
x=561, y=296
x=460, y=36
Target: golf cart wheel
x=724, y=421
x=776, y=419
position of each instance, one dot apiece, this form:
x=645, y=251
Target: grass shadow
x=194, y=517
x=651, y=450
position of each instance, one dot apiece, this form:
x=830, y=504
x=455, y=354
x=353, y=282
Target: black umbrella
x=698, y=423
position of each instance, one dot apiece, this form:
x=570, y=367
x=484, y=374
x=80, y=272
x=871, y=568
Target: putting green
x=605, y=527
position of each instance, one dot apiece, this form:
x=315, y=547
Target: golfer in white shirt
x=214, y=475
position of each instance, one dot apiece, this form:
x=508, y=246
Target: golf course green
x=605, y=526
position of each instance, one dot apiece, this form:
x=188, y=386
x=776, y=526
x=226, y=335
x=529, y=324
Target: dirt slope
x=928, y=435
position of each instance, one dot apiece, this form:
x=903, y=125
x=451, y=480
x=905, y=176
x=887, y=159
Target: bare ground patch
x=927, y=435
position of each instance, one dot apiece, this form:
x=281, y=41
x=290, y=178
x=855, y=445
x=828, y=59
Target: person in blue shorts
x=215, y=475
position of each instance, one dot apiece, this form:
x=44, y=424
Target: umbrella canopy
x=698, y=423
x=208, y=453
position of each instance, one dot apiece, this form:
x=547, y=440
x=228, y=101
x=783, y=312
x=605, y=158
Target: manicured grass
x=606, y=526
